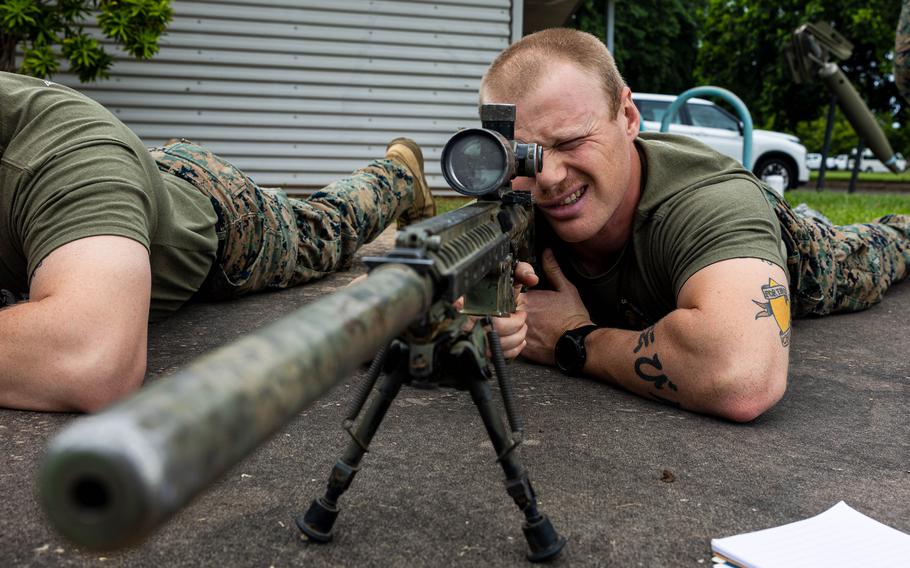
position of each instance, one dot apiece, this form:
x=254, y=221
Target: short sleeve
x=709, y=224
x=93, y=191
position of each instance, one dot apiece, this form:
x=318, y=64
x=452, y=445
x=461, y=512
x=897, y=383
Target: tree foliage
x=45, y=32
x=742, y=49
x=812, y=134
x=667, y=46
x=656, y=41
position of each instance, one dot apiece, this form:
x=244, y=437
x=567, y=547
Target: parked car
x=840, y=161
x=773, y=153
x=814, y=162
x=869, y=163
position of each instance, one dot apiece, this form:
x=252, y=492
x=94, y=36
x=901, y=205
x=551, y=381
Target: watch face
x=570, y=351
x=567, y=354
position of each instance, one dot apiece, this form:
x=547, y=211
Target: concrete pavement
x=628, y=481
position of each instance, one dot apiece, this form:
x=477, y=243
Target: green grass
x=446, y=204
x=838, y=175
x=845, y=208
x=842, y=208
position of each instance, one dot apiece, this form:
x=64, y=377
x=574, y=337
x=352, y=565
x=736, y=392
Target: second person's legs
x=850, y=267
x=270, y=241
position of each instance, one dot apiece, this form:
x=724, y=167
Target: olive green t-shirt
x=69, y=169
x=697, y=207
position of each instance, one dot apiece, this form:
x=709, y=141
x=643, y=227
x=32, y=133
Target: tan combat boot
x=407, y=153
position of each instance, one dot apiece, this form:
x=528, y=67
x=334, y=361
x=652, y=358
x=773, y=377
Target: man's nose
x=553, y=173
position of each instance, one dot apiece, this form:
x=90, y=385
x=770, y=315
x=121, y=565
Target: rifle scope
x=479, y=161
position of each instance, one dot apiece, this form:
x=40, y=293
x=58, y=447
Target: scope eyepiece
x=528, y=159
x=478, y=161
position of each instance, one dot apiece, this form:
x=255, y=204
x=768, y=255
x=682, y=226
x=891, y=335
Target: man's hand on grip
x=550, y=313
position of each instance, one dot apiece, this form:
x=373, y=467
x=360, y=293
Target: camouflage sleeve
x=902, y=51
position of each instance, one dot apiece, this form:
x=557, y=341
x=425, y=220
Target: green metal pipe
x=859, y=115
x=728, y=96
x=108, y=479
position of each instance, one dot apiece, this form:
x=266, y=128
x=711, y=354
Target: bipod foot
x=318, y=521
x=543, y=540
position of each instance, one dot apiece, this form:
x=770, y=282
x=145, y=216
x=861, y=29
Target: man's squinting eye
x=570, y=144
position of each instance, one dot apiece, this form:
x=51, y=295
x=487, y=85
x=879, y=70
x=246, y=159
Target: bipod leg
x=317, y=522
x=505, y=385
x=543, y=541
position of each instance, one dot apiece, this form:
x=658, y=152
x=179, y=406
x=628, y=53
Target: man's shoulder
x=676, y=166
x=665, y=151
x=668, y=141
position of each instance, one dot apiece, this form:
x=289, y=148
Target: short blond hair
x=520, y=66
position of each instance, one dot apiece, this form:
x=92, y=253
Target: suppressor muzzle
x=107, y=480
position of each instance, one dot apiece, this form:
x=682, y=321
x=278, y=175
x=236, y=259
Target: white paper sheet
x=841, y=537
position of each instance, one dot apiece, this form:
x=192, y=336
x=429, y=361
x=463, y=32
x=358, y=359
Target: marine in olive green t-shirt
x=69, y=169
x=697, y=207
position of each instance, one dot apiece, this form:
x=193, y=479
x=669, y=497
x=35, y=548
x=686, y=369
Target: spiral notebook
x=839, y=537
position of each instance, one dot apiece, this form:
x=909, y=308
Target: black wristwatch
x=570, y=350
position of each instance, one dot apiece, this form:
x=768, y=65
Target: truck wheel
x=777, y=166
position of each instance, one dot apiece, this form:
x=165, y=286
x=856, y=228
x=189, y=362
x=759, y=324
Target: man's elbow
x=103, y=379
x=749, y=393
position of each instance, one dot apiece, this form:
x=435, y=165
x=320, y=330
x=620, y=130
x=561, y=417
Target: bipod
x=462, y=354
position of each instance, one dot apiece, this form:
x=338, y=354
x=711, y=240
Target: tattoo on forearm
x=777, y=305
x=645, y=339
x=659, y=380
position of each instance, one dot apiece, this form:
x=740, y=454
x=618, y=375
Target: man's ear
x=630, y=113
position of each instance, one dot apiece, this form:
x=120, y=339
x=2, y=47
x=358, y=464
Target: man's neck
x=600, y=252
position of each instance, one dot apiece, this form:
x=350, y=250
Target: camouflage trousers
x=842, y=268
x=267, y=240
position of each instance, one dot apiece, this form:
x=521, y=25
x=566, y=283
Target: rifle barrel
x=109, y=479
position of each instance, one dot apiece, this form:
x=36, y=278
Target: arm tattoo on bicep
x=777, y=305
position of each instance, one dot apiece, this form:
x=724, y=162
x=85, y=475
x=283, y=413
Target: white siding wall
x=300, y=92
